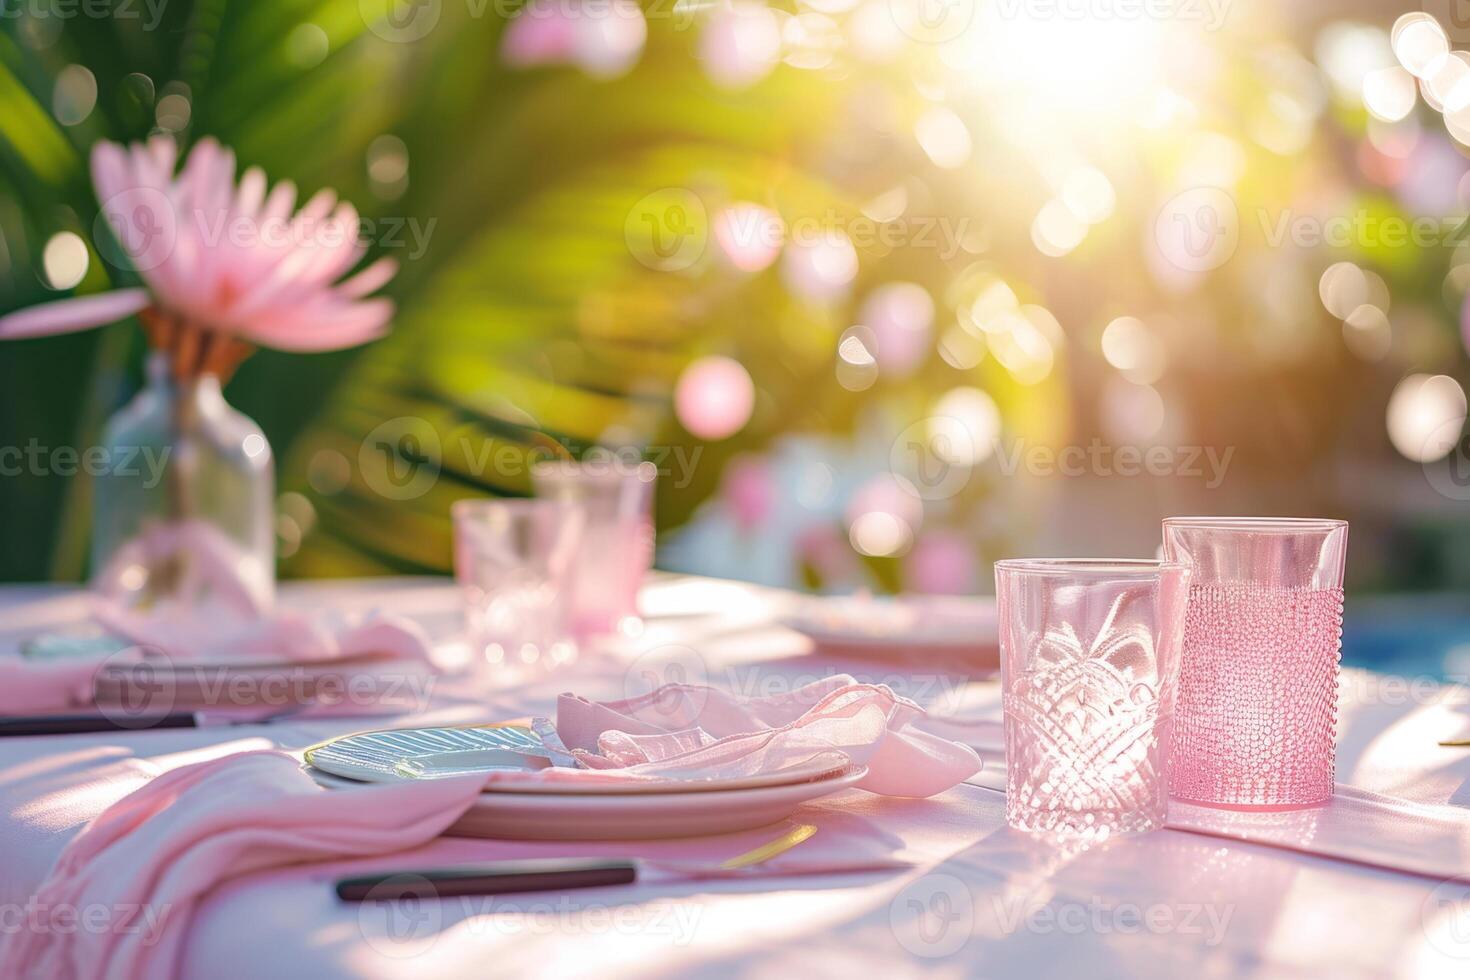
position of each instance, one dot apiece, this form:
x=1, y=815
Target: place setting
x=583, y=488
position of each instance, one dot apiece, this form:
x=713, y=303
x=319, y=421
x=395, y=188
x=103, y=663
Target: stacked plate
x=535, y=809
x=937, y=631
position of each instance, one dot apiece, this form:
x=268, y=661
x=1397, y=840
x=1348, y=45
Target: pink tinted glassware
x=513, y=560
x=1263, y=636
x=1089, y=661
x=617, y=544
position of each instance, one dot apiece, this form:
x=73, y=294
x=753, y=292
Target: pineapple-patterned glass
x=1089, y=664
x=1258, y=686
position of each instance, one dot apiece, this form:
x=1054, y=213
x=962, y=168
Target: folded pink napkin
x=692, y=731
x=209, y=634
x=210, y=637
x=152, y=855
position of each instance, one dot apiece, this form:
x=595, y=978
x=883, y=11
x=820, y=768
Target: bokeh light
x=714, y=397
x=749, y=236
x=65, y=260
x=820, y=265
x=1425, y=416
x=964, y=426
x=901, y=318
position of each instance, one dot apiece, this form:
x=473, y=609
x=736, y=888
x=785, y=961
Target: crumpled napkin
x=166, y=845
x=688, y=731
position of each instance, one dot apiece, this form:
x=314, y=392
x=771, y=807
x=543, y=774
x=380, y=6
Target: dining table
x=974, y=898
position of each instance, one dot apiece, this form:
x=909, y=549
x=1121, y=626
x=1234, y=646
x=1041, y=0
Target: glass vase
x=185, y=512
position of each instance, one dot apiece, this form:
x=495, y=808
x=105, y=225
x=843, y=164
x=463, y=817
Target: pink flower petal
x=369, y=280
x=333, y=330
x=72, y=315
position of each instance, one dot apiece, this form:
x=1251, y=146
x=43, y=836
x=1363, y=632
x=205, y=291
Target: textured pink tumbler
x=1089, y=661
x=1263, y=634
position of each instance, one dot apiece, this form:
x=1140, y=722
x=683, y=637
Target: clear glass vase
x=185, y=513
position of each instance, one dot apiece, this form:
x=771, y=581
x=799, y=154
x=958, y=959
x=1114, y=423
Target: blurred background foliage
x=996, y=268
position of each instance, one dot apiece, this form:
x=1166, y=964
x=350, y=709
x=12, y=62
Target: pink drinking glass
x=1262, y=639
x=617, y=543
x=1089, y=654
x=513, y=560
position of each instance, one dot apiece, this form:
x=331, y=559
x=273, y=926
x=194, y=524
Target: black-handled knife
x=93, y=722
x=501, y=878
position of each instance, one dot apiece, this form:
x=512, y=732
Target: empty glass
x=1089, y=661
x=514, y=560
x=1263, y=634
x=617, y=544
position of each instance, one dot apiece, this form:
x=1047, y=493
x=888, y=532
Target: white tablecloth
x=983, y=900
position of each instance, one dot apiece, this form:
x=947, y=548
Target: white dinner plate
x=536, y=816
x=962, y=630
x=445, y=765
x=438, y=753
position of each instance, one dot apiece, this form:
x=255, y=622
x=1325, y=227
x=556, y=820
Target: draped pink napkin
x=160, y=849
x=688, y=731
x=30, y=686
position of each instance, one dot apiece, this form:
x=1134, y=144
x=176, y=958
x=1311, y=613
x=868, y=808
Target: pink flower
x=604, y=39
x=225, y=258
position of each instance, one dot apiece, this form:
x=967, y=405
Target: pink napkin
x=298, y=637
x=227, y=639
x=32, y=687
x=687, y=731
x=163, y=847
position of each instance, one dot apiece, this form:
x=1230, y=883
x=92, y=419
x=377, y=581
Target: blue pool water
x=1412, y=635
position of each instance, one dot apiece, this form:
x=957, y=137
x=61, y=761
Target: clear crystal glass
x=1089, y=663
x=515, y=562
x=617, y=544
x=1263, y=636
x=185, y=511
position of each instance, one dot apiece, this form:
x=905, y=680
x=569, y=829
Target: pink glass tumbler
x=1089, y=662
x=513, y=560
x=1262, y=639
x=616, y=494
